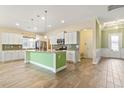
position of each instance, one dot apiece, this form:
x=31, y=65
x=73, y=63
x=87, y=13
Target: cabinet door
x=4, y=38
x=7, y=56
x=70, y=38
x=12, y=55
x=20, y=39
x=11, y=38
x=73, y=56
x=60, y=35
x=68, y=55
x=74, y=35
x=20, y=53
x=16, y=39
x=53, y=40
x=66, y=38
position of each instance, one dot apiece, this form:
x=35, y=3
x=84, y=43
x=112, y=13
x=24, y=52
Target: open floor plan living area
x=61, y=46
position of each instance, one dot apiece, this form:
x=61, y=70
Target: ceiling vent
x=112, y=7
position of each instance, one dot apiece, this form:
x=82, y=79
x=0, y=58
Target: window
x=115, y=42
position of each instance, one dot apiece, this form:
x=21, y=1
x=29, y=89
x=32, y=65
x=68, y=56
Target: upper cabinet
x=53, y=38
x=60, y=35
x=10, y=38
x=72, y=38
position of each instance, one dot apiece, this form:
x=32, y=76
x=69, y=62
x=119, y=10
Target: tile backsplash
x=69, y=47
x=11, y=46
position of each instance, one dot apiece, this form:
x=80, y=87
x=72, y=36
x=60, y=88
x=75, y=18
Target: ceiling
x=71, y=14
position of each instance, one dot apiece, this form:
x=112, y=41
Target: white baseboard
x=106, y=52
x=61, y=68
x=98, y=56
x=43, y=66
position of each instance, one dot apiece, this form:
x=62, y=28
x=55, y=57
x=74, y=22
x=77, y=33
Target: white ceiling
x=73, y=15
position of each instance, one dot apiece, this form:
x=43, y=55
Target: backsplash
x=69, y=47
x=72, y=47
x=11, y=46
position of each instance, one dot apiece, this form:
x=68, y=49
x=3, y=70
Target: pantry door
x=86, y=43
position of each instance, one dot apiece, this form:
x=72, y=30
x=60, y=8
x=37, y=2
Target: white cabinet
x=53, y=40
x=11, y=55
x=11, y=38
x=71, y=38
x=4, y=38
x=21, y=55
x=72, y=55
x=66, y=38
x=75, y=38
x=60, y=35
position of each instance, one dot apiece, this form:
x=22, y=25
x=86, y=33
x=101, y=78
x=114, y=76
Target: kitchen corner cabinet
x=72, y=38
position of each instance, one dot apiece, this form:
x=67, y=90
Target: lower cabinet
x=72, y=55
x=11, y=55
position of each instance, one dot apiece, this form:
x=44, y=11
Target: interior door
x=86, y=44
x=115, y=45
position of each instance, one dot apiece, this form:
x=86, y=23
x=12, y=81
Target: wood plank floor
x=108, y=73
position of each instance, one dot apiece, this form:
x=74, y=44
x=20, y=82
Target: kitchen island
x=54, y=61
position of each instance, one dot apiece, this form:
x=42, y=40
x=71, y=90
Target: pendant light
x=46, y=27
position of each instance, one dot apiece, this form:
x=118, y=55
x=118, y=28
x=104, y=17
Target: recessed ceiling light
x=45, y=37
x=116, y=27
x=62, y=21
x=32, y=19
x=49, y=25
x=43, y=18
x=38, y=15
x=17, y=24
x=35, y=28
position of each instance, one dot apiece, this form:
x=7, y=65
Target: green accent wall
x=105, y=34
x=98, y=34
